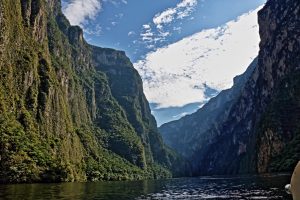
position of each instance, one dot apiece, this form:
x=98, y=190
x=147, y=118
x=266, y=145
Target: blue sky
x=116, y=18
x=152, y=31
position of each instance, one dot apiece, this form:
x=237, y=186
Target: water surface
x=213, y=188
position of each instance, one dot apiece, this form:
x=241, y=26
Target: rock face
x=70, y=111
x=260, y=130
x=193, y=132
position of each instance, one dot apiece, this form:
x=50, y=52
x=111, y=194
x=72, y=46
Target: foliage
x=59, y=117
x=282, y=117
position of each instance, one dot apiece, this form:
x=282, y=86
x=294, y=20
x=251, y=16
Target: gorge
x=64, y=113
x=73, y=112
x=254, y=126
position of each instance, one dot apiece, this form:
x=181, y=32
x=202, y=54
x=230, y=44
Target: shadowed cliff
x=258, y=131
x=70, y=111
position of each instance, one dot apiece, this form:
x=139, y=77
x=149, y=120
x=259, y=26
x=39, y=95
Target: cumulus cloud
x=156, y=32
x=147, y=34
x=178, y=74
x=182, y=10
x=79, y=11
x=150, y=38
x=146, y=26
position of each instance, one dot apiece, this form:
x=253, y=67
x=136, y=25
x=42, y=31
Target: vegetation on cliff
x=260, y=131
x=63, y=117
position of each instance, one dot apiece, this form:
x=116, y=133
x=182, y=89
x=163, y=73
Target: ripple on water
x=224, y=190
x=237, y=188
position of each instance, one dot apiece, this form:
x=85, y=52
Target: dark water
x=254, y=187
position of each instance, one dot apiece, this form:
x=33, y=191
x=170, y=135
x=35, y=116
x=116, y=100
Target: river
x=213, y=188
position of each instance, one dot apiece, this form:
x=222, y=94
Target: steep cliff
x=130, y=96
x=193, y=132
x=260, y=132
x=70, y=111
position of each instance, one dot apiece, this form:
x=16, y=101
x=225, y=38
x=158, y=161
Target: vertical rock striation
x=70, y=111
x=260, y=131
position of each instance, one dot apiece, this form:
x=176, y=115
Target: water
x=212, y=188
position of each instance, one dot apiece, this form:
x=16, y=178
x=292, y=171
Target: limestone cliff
x=70, y=111
x=260, y=132
x=192, y=133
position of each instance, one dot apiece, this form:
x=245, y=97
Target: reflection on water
x=254, y=187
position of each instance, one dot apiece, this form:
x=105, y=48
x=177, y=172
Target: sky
x=186, y=51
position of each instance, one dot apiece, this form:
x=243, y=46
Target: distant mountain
x=70, y=111
x=190, y=133
x=254, y=126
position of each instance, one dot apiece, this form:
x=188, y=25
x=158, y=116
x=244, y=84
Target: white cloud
x=182, y=10
x=116, y=3
x=164, y=34
x=96, y=30
x=130, y=33
x=147, y=34
x=146, y=26
x=157, y=31
x=150, y=46
x=174, y=75
x=149, y=38
x=79, y=11
x=164, y=17
x=178, y=29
